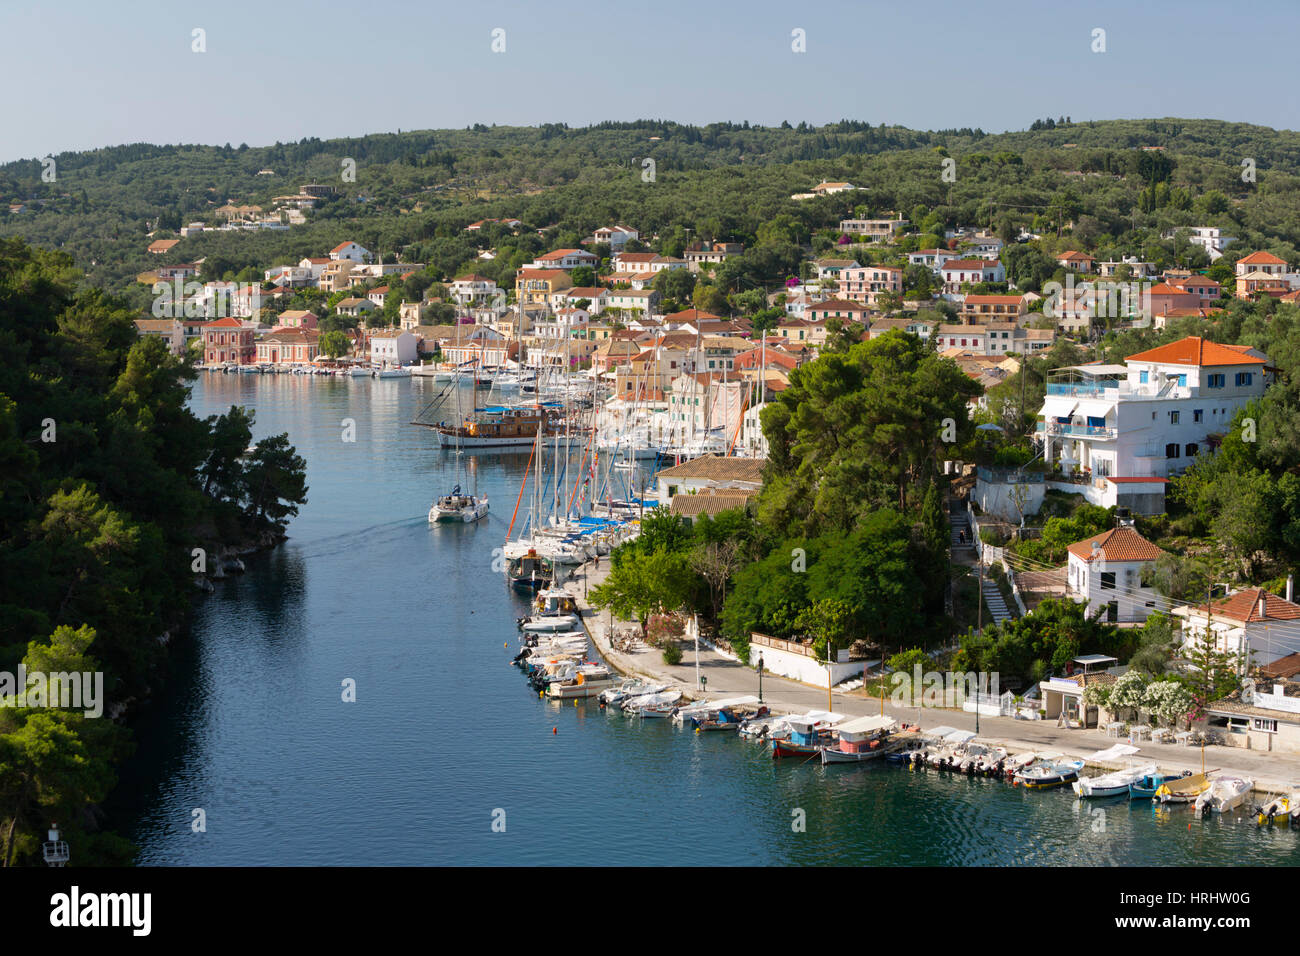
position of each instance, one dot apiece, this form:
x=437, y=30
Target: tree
x=830, y=623
x=643, y=584
x=276, y=483
x=1168, y=701
x=335, y=344
x=716, y=562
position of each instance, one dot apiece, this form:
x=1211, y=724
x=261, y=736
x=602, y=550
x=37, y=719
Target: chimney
x=1262, y=606
x=1290, y=587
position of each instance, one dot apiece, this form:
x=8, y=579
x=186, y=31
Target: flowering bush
x=1167, y=701
x=1128, y=692
x=663, y=628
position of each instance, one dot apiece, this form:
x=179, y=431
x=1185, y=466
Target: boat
x=1145, y=788
x=396, y=372
x=1279, y=809
x=1224, y=794
x=582, y=680
x=498, y=426
x=807, y=739
x=1048, y=774
x=657, y=701
x=859, y=740
x=530, y=570
x=550, y=622
x=632, y=687
x=1112, y=784
x=458, y=507
x=1184, y=789
x=359, y=371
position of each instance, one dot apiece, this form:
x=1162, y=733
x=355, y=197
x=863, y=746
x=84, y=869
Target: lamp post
x=760, y=677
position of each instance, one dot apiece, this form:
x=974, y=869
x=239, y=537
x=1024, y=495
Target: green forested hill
x=414, y=191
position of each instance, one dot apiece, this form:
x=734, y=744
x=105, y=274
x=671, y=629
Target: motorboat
x=582, y=680
x=395, y=372
x=1048, y=774
x=359, y=371
x=808, y=737
x=1112, y=784
x=1278, y=809
x=653, y=706
x=632, y=687
x=1224, y=794
x=550, y=622
x=1184, y=789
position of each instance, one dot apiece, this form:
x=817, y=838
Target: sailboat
x=457, y=506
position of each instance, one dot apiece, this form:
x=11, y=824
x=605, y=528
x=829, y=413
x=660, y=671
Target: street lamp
x=760, y=677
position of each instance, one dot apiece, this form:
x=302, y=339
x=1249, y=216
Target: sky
x=91, y=73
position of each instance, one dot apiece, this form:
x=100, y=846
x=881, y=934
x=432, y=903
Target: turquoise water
x=444, y=733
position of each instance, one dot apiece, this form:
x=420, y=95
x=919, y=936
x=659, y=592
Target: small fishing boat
x=1184, y=789
x=1146, y=787
x=654, y=706
x=1224, y=794
x=859, y=740
x=1278, y=809
x=530, y=570
x=1112, y=784
x=806, y=739
x=1048, y=775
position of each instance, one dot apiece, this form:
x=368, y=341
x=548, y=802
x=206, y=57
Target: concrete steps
x=997, y=605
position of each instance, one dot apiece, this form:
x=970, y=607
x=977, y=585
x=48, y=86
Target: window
x=1144, y=377
x=1171, y=451
x=1182, y=379
x=1216, y=381
x=1197, y=414
x=1108, y=580
x=1173, y=418
x=1190, y=450
x=1264, y=724
x=1245, y=378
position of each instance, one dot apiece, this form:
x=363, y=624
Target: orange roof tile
x=1195, y=350
x=1244, y=607
x=1117, y=544
x=1262, y=258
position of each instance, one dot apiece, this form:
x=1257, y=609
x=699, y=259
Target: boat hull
x=840, y=756
x=783, y=748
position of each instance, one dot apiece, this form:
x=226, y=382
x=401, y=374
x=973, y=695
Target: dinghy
x=1278, y=809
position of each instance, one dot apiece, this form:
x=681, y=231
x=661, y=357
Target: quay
x=1273, y=773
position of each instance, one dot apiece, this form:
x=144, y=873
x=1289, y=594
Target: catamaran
x=457, y=506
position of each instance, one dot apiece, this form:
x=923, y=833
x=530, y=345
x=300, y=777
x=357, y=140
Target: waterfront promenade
x=725, y=677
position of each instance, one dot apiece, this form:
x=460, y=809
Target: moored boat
x=1278, y=809
x=1112, y=784
x=1184, y=789
x=1225, y=793
x=1146, y=787
x=1048, y=775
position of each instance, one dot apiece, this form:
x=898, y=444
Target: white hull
x=558, y=622
x=1111, y=784
x=472, y=441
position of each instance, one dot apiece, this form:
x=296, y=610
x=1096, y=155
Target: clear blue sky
x=90, y=73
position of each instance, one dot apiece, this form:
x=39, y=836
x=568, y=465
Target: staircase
x=959, y=522
x=997, y=605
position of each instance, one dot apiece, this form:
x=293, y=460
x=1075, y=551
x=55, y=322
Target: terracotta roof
x=967, y=265
x=542, y=274
x=162, y=245
x=717, y=468
x=690, y=315
x=1243, y=607
x=229, y=322
x=1117, y=544
x=993, y=300
x=1261, y=258
x=1074, y=255
x=342, y=245
x=1195, y=350
x=711, y=502
x=1282, y=668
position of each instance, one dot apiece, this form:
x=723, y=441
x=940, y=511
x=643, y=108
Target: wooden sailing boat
x=1184, y=789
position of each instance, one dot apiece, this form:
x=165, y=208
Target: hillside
x=415, y=191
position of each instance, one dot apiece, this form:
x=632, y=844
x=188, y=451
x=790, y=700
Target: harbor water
x=447, y=757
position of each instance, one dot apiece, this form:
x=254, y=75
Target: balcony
x=1097, y=390
x=1104, y=432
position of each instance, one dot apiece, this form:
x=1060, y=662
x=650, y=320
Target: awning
x=866, y=725
x=960, y=736
x=1114, y=753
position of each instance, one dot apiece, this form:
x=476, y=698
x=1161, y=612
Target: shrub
x=672, y=653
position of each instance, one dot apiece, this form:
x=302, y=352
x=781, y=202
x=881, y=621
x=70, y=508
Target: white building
x=956, y=272
x=392, y=347
x=1105, y=572
x=1141, y=422
x=1258, y=627
x=351, y=251
x=753, y=443
x=1211, y=239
